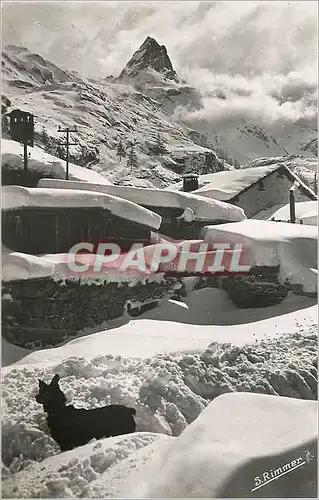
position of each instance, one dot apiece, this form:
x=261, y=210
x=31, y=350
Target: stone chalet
x=252, y=189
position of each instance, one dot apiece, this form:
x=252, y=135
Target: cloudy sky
x=261, y=53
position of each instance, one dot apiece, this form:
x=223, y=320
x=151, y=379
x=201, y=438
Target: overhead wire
x=12, y=30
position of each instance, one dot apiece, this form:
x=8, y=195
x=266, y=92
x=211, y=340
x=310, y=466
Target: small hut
x=22, y=126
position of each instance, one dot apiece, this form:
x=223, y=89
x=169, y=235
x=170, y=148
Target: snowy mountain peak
x=150, y=55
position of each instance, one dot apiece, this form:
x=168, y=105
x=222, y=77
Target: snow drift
x=217, y=456
x=166, y=371
x=235, y=439
x=169, y=392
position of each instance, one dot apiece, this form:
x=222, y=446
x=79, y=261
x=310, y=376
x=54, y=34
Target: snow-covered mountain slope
x=34, y=69
x=144, y=128
x=150, y=70
x=311, y=147
x=247, y=140
x=112, y=118
x=38, y=160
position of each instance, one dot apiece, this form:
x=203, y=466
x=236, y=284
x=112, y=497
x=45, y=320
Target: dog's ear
x=42, y=383
x=55, y=379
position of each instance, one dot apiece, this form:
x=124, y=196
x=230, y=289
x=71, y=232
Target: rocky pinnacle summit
x=150, y=55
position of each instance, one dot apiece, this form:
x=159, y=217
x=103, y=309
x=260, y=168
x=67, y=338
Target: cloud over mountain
x=261, y=55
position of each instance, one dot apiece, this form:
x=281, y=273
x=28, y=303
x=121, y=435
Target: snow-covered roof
x=263, y=230
x=204, y=208
x=228, y=184
x=12, y=155
x=267, y=243
x=306, y=211
x=18, y=196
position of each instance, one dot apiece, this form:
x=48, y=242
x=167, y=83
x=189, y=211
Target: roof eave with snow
x=205, y=209
x=14, y=197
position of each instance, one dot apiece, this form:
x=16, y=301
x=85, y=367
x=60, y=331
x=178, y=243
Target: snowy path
x=148, y=337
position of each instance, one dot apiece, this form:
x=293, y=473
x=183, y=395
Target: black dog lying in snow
x=71, y=427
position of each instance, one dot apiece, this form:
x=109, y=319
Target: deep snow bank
x=223, y=453
x=71, y=474
x=169, y=391
x=171, y=328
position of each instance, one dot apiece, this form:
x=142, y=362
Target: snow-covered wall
x=293, y=247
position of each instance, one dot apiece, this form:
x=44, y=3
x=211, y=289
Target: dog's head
x=50, y=395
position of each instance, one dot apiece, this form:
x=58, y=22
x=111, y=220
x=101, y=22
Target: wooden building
x=36, y=222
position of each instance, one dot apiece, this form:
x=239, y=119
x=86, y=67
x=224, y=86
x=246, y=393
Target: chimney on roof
x=292, y=208
x=190, y=182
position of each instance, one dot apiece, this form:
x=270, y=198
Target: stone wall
x=260, y=288
x=43, y=312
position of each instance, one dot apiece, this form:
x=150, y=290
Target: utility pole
x=67, y=143
x=25, y=157
x=316, y=186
